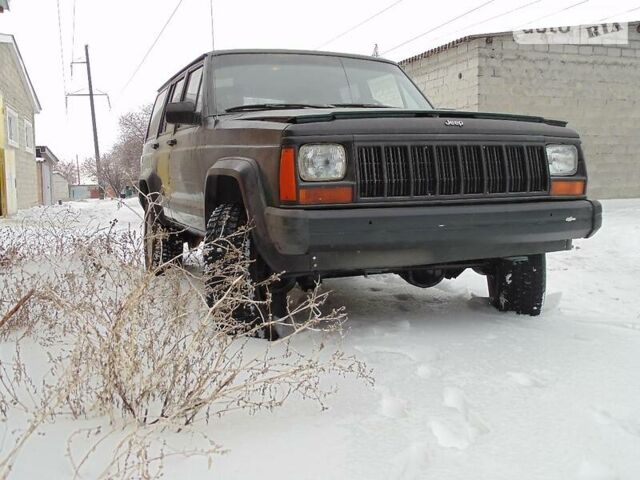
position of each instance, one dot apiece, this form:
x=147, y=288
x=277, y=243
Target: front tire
x=518, y=284
x=227, y=238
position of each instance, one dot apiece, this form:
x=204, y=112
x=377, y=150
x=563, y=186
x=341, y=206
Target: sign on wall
x=596, y=34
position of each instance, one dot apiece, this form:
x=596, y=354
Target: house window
x=12, y=128
x=28, y=136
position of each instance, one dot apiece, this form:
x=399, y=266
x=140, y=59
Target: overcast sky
x=119, y=32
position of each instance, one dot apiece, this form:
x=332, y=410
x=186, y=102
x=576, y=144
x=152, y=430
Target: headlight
x=563, y=159
x=321, y=162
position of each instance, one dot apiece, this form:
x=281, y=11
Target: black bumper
x=381, y=239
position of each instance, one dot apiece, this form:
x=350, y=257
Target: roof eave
x=35, y=102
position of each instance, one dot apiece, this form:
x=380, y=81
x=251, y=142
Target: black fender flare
x=247, y=174
x=153, y=189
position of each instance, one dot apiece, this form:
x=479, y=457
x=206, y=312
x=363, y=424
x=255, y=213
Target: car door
x=164, y=149
x=149, y=158
x=185, y=198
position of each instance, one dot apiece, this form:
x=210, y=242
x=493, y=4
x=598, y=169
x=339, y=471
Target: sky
x=120, y=32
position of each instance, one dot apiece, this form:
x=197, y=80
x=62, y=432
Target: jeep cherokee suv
x=342, y=167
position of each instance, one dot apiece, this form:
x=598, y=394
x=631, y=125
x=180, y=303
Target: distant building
x=61, y=192
x=595, y=87
x=53, y=186
x=19, y=103
x=84, y=192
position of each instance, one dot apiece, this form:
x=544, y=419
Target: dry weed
x=142, y=350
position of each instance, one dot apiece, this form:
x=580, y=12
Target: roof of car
x=216, y=53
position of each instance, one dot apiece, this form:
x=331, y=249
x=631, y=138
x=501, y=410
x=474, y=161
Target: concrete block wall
x=449, y=78
x=16, y=97
x=60, y=187
x=596, y=88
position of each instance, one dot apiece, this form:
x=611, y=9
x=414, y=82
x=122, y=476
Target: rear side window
x=176, y=95
x=193, y=86
x=177, y=92
x=156, y=115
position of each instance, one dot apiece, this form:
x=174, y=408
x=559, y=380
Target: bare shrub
x=143, y=350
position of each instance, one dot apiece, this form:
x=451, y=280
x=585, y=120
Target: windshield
x=266, y=80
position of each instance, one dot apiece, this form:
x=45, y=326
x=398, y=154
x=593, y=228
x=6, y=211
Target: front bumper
x=381, y=239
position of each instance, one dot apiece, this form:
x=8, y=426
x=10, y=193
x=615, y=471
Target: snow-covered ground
x=462, y=391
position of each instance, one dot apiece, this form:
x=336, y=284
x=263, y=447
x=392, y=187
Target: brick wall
x=450, y=77
x=16, y=97
x=595, y=88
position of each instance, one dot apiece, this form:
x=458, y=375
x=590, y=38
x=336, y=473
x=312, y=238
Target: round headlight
x=322, y=162
x=563, y=159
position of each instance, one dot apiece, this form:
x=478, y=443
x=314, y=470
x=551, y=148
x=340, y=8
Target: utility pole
x=93, y=118
x=91, y=96
x=78, y=168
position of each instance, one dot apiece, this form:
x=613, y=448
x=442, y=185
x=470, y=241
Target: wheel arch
x=229, y=181
x=237, y=179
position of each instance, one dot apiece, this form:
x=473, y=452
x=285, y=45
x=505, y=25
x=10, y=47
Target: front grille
x=401, y=171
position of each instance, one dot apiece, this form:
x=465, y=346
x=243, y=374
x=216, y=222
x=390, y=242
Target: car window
x=176, y=95
x=279, y=78
x=156, y=114
x=193, y=86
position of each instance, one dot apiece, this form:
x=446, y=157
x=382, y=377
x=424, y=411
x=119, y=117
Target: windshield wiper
x=270, y=106
x=361, y=105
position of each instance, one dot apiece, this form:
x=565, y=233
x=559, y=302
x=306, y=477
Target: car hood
x=385, y=121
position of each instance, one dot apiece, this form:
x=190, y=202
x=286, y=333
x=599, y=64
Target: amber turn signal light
x=288, y=188
x=567, y=187
x=318, y=195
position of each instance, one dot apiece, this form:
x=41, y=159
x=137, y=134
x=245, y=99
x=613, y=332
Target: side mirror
x=183, y=113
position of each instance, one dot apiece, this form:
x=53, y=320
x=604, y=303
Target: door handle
x=172, y=142
x=155, y=146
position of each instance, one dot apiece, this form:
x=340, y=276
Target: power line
x=438, y=26
x=553, y=14
x=64, y=73
x=73, y=32
x=522, y=7
x=144, y=58
x=620, y=13
x=504, y=14
x=388, y=7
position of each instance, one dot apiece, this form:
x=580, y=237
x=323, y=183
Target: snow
x=462, y=391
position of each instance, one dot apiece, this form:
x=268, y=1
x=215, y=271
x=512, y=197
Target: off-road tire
x=518, y=284
x=163, y=245
x=228, y=222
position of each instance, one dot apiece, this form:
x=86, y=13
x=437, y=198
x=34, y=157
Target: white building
x=19, y=187
x=594, y=86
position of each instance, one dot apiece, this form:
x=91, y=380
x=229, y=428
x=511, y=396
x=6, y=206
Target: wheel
x=162, y=245
x=226, y=233
x=518, y=284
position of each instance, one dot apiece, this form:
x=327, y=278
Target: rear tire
x=163, y=245
x=226, y=233
x=518, y=284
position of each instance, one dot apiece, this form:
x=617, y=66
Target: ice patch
x=628, y=426
x=454, y=398
x=593, y=470
x=450, y=436
x=525, y=380
x=412, y=461
x=424, y=371
x=393, y=407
